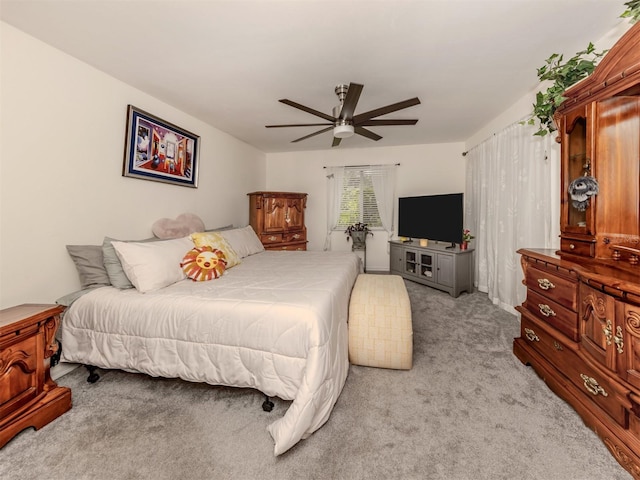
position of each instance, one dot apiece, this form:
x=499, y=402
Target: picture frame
x=159, y=151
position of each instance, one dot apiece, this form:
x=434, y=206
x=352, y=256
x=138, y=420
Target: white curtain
x=383, y=179
x=511, y=202
x=335, y=179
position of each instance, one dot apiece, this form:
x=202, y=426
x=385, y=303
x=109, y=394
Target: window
x=358, y=199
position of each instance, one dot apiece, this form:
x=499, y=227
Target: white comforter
x=277, y=322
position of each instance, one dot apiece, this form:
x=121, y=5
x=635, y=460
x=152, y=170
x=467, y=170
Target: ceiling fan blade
x=328, y=118
x=300, y=125
x=371, y=123
x=312, y=134
x=336, y=141
x=384, y=110
x=350, y=101
x=367, y=133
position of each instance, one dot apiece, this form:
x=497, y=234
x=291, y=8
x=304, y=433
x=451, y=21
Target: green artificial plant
x=563, y=74
x=566, y=74
x=632, y=12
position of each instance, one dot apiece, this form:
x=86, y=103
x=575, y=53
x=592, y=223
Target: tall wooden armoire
x=580, y=322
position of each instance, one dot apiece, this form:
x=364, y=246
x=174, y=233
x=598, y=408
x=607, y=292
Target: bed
x=276, y=322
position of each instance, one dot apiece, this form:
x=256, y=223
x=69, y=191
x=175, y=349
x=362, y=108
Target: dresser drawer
x=608, y=395
x=537, y=336
x=295, y=237
x=288, y=247
x=601, y=389
x=561, y=318
x=558, y=289
x=269, y=238
x=585, y=249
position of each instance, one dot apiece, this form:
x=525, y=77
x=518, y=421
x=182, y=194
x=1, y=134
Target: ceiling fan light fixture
x=343, y=131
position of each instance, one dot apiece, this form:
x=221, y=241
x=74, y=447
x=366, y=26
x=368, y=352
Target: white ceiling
x=228, y=62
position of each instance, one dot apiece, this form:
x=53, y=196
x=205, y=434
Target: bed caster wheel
x=93, y=376
x=267, y=405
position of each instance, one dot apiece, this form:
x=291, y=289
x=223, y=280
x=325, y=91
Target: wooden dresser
x=278, y=219
x=580, y=322
x=28, y=395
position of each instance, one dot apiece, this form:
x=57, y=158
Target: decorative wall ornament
x=581, y=190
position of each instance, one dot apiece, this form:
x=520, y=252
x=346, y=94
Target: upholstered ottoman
x=380, y=329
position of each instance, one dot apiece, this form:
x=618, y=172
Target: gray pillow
x=112, y=264
x=220, y=229
x=88, y=260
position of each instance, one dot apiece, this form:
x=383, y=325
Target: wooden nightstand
x=28, y=395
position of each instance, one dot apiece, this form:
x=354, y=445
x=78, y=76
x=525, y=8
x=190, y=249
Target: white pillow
x=150, y=266
x=243, y=240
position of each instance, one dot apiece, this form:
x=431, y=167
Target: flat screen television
x=434, y=217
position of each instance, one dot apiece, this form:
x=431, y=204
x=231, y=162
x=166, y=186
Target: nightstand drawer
x=559, y=317
x=559, y=289
x=18, y=377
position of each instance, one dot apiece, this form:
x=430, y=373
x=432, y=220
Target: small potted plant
x=466, y=238
x=358, y=233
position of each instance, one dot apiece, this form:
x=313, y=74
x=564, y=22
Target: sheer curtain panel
x=511, y=202
x=335, y=180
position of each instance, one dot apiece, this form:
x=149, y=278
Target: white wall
x=521, y=109
x=62, y=141
x=423, y=170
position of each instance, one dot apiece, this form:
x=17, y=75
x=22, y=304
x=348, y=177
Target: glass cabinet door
x=576, y=163
x=410, y=261
x=426, y=266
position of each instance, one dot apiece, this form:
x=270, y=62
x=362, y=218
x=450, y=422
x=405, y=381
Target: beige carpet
x=467, y=410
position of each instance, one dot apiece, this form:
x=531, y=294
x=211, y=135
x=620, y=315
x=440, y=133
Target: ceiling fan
x=344, y=122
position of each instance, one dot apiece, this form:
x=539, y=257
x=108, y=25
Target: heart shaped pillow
x=183, y=225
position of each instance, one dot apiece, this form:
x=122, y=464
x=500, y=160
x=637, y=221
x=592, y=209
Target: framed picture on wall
x=160, y=151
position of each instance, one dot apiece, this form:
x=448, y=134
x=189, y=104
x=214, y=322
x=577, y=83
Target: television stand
x=443, y=267
x=453, y=245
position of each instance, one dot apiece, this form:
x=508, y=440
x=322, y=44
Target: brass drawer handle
x=557, y=345
x=546, y=310
x=296, y=236
x=619, y=340
x=591, y=384
x=572, y=246
x=531, y=335
x=607, y=330
x=273, y=238
x=545, y=284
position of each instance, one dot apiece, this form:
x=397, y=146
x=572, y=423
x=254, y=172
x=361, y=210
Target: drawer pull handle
x=619, y=340
x=273, y=238
x=572, y=246
x=546, y=310
x=557, y=346
x=545, y=284
x=591, y=384
x=608, y=331
x=296, y=236
x=531, y=335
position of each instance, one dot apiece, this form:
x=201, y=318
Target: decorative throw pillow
x=216, y=241
x=244, y=241
x=153, y=265
x=89, y=262
x=204, y=263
